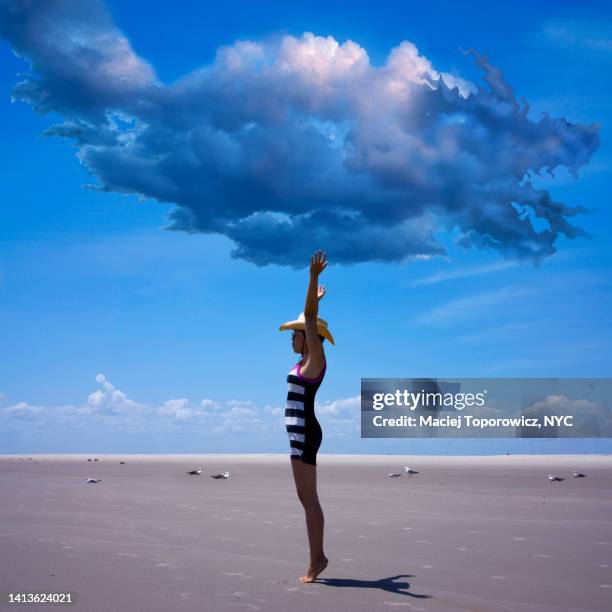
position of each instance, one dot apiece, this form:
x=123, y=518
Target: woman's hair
x=322, y=338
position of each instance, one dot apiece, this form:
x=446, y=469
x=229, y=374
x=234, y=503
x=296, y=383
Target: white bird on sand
x=93, y=480
x=195, y=472
x=579, y=475
x=409, y=471
x=393, y=475
x=217, y=476
x=555, y=478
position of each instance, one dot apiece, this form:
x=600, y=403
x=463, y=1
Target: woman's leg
x=305, y=476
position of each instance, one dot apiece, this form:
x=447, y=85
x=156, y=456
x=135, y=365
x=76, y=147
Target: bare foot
x=314, y=570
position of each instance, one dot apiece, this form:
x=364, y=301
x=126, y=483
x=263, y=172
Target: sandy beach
x=466, y=533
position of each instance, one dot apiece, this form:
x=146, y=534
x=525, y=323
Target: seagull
x=96, y=459
x=393, y=475
x=217, y=476
x=121, y=462
x=555, y=478
x=90, y=460
x=579, y=475
x=409, y=471
x=93, y=480
x=195, y=472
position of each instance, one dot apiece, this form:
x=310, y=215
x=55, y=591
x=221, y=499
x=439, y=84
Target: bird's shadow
x=388, y=584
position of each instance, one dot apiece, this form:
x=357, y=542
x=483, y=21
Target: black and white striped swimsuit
x=303, y=429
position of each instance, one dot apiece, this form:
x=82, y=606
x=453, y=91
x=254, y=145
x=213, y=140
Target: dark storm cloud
x=300, y=143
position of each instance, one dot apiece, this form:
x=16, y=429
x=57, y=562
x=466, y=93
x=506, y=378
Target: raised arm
x=316, y=357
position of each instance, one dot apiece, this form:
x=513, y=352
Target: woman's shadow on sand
x=386, y=584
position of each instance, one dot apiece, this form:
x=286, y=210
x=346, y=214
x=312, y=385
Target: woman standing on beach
x=305, y=435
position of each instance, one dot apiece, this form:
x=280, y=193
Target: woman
x=304, y=431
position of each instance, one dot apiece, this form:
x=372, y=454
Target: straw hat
x=300, y=322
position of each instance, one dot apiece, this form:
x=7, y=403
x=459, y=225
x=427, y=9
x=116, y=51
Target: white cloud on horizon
x=23, y=408
x=113, y=407
x=109, y=400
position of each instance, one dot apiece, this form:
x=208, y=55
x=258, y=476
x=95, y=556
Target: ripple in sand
x=424, y=541
x=188, y=595
x=605, y=586
x=347, y=559
x=498, y=577
x=427, y=566
x=169, y=565
x=128, y=554
x=248, y=605
x=245, y=576
x=518, y=539
x=544, y=556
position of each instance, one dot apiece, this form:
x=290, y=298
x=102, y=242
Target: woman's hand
x=315, y=292
x=318, y=263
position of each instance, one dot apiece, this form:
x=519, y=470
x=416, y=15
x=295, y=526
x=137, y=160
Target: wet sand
x=466, y=533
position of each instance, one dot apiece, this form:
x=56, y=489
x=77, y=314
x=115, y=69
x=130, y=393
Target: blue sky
x=118, y=336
